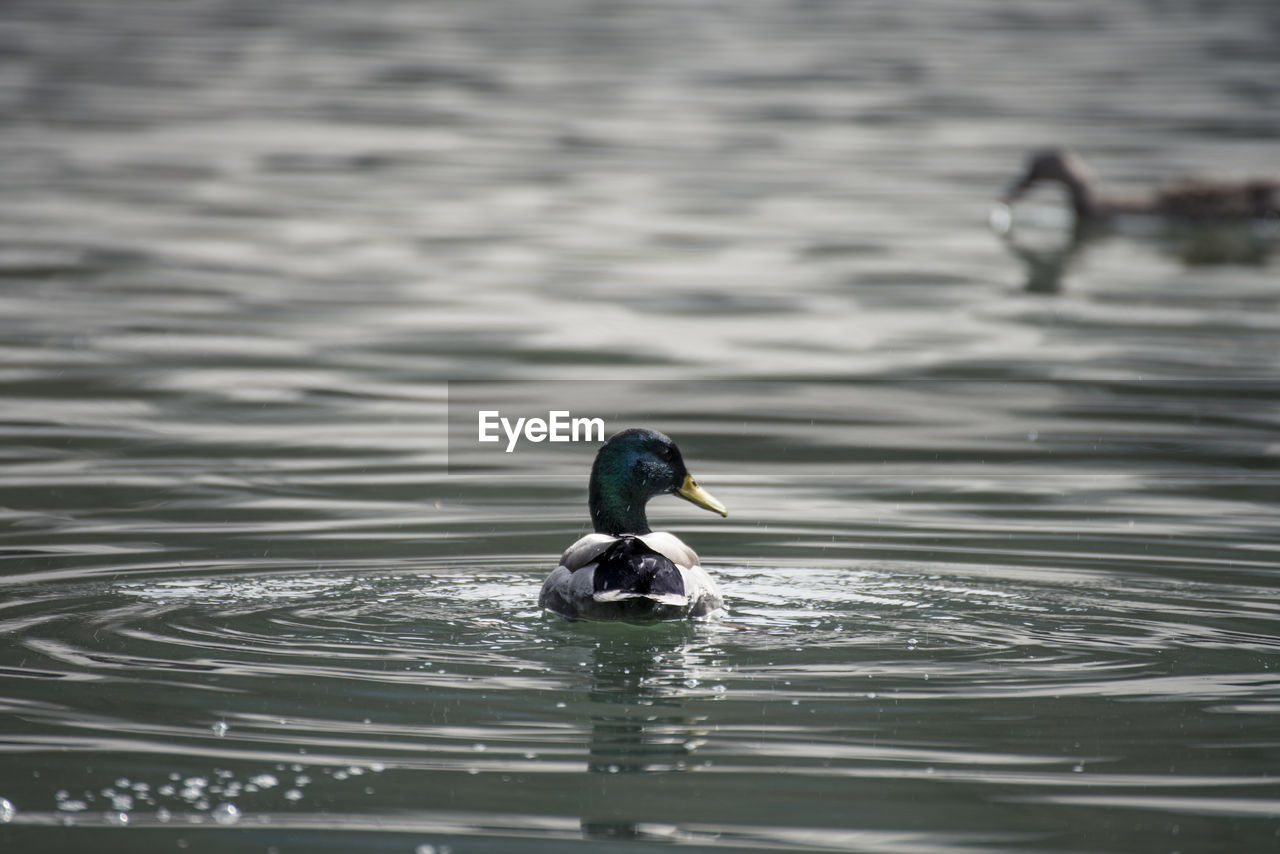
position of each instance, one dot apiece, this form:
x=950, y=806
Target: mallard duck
x=1186, y=200
x=625, y=571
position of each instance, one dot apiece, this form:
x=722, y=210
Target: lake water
x=1003, y=554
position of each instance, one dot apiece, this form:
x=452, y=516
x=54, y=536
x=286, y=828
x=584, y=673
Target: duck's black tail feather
x=632, y=567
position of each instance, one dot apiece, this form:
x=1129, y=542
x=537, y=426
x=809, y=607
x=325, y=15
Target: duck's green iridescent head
x=632, y=467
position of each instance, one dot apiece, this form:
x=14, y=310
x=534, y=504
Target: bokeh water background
x=1002, y=560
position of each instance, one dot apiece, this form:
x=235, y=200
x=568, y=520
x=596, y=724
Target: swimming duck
x=1187, y=200
x=625, y=571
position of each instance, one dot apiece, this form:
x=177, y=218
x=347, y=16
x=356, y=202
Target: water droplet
x=7, y=810
x=478, y=748
x=264, y=781
x=377, y=767
x=117, y=818
x=292, y=795
x=163, y=815
x=226, y=814
x=220, y=728
x=301, y=780
x=340, y=775
x=1078, y=767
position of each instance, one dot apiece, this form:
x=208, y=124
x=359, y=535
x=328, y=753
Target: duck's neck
x=1084, y=199
x=614, y=514
x=615, y=509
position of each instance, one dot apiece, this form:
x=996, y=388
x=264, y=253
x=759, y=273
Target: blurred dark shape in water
x=1050, y=245
x=1187, y=200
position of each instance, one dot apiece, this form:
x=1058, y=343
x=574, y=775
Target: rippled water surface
x=1003, y=556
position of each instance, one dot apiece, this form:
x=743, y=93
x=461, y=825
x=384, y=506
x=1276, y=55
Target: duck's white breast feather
x=571, y=585
x=585, y=550
x=592, y=546
x=672, y=548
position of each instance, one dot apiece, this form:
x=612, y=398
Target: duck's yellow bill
x=690, y=491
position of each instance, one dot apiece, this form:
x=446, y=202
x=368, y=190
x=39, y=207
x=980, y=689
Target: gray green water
x=1003, y=556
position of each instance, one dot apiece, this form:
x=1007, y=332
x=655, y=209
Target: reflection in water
x=1046, y=266
x=1249, y=244
x=1050, y=246
x=641, y=680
